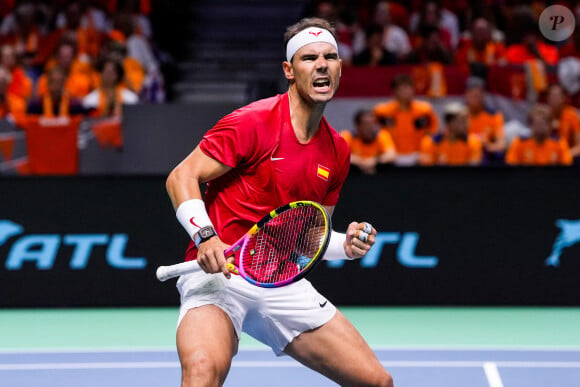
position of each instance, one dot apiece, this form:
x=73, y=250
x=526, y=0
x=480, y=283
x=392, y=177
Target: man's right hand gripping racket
x=278, y=250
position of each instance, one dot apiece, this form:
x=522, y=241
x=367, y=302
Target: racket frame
x=243, y=242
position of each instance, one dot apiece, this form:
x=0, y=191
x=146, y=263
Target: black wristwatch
x=203, y=235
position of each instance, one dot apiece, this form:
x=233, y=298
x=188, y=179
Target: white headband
x=307, y=36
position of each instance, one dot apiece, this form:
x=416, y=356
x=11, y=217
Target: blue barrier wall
x=447, y=237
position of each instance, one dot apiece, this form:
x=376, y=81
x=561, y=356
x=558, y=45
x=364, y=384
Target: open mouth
x=321, y=83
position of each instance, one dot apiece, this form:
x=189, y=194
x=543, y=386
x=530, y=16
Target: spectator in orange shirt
x=484, y=122
x=80, y=76
x=370, y=146
x=56, y=101
x=407, y=119
x=565, y=119
x=9, y=102
x=108, y=99
x=540, y=149
x=455, y=146
x=531, y=46
x=21, y=84
x=480, y=50
x=134, y=72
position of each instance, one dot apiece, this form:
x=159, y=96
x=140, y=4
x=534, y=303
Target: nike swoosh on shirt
x=276, y=158
x=322, y=304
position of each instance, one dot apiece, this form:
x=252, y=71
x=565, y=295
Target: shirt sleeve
x=386, y=141
x=512, y=156
x=427, y=151
x=475, y=150
x=231, y=141
x=574, y=119
x=434, y=121
x=565, y=155
x=498, y=125
x=347, y=136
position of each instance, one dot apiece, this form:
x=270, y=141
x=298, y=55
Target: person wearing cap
x=407, y=119
x=482, y=120
x=257, y=158
x=541, y=149
x=455, y=146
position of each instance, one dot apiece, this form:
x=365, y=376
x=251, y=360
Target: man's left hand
x=359, y=239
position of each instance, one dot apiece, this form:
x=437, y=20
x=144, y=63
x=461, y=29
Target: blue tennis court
x=440, y=347
x=410, y=367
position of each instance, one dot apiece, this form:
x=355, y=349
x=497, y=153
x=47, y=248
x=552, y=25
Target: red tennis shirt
x=270, y=167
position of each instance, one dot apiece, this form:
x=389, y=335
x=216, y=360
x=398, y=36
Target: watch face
x=206, y=232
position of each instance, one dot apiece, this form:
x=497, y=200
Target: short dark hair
x=306, y=23
x=359, y=115
x=374, y=29
x=401, y=79
x=116, y=63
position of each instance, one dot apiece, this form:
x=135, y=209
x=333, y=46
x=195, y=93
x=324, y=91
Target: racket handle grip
x=164, y=273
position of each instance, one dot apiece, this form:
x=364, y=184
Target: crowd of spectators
x=472, y=37
x=86, y=57
x=449, y=32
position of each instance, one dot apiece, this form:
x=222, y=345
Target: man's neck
x=305, y=117
x=404, y=104
x=557, y=111
x=475, y=109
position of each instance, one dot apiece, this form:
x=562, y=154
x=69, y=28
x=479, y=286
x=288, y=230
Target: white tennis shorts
x=274, y=316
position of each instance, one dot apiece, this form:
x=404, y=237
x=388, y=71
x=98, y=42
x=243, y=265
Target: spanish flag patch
x=323, y=172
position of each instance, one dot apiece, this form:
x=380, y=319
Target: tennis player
x=257, y=158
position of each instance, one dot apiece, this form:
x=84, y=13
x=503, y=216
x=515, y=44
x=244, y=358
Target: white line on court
x=266, y=349
x=488, y=366
x=492, y=374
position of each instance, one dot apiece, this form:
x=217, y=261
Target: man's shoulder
x=261, y=106
x=385, y=107
x=570, y=112
x=339, y=141
x=422, y=106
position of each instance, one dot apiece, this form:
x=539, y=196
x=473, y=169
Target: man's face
x=55, y=82
x=458, y=125
x=540, y=126
x=556, y=98
x=315, y=70
x=8, y=57
x=404, y=92
x=474, y=97
x=481, y=33
x=65, y=56
x=109, y=74
x=367, y=127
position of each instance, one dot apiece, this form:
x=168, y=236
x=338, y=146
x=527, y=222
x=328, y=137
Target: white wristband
x=192, y=216
x=335, y=250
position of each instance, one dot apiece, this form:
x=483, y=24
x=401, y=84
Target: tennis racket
x=278, y=250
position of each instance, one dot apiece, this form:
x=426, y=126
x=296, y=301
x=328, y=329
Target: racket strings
x=286, y=245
